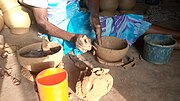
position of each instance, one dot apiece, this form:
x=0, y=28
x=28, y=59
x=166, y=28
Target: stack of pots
x=15, y=16
x=108, y=7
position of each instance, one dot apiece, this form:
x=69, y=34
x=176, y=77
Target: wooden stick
x=88, y=63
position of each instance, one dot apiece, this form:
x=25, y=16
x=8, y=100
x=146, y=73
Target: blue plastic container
x=158, y=48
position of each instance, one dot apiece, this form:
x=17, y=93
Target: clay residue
x=40, y=53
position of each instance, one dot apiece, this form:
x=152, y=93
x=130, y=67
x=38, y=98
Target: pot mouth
x=112, y=43
x=160, y=40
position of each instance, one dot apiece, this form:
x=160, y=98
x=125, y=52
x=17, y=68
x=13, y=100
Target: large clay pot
x=1, y=21
x=39, y=63
x=126, y=4
x=112, y=49
x=8, y=4
x=29, y=8
x=17, y=19
x=108, y=7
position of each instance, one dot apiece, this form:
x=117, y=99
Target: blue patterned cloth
x=128, y=26
x=66, y=15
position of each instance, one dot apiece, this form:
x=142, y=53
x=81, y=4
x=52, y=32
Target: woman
x=65, y=23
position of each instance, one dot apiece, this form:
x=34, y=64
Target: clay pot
x=8, y=4
x=108, y=7
x=37, y=64
x=112, y=49
x=126, y=4
x=17, y=19
x=1, y=21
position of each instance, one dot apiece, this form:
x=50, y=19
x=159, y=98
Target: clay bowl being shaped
x=112, y=49
x=33, y=58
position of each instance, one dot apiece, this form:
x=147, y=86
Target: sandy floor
x=143, y=82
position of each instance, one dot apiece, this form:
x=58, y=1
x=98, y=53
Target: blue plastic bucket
x=158, y=48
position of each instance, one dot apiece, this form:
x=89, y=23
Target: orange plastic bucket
x=52, y=84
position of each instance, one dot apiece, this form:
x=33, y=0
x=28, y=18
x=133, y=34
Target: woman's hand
x=94, y=19
x=83, y=43
x=95, y=22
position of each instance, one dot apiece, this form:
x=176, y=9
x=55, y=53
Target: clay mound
x=93, y=87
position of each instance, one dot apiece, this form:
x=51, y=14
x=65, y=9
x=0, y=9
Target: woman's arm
x=82, y=42
x=42, y=20
x=93, y=6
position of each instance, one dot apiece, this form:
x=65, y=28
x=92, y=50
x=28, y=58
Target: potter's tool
x=87, y=62
x=80, y=62
x=46, y=46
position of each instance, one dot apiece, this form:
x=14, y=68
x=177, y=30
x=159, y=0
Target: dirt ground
x=143, y=82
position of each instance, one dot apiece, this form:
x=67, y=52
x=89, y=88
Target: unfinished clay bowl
x=41, y=61
x=112, y=49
